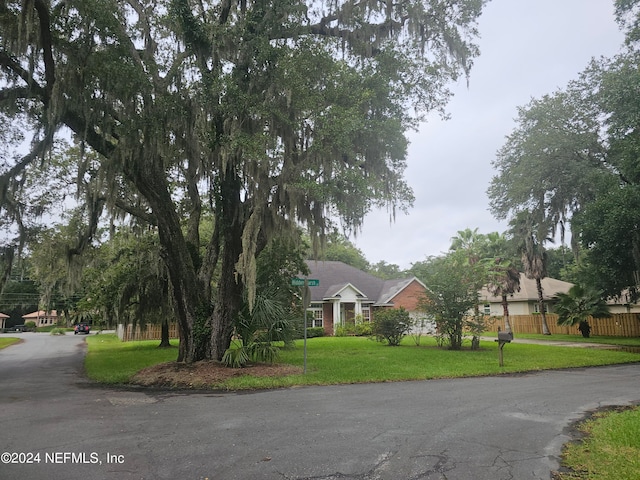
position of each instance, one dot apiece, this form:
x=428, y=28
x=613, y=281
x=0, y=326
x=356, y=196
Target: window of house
x=366, y=313
x=487, y=309
x=314, y=317
x=536, y=308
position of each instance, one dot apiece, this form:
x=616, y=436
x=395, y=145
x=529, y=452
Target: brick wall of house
x=409, y=298
x=327, y=318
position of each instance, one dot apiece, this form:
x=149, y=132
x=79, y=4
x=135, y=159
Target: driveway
x=504, y=427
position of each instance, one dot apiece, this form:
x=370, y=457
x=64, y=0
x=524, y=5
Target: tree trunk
x=164, y=334
x=455, y=337
x=585, y=329
x=475, y=340
x=543, y=312
x=229, y=302
x=185, y=288
x=505, y=314
x=230, y=286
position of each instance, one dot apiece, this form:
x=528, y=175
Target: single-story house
x=346, y=294
x=42, y=318
x=524, y=302
x=623, y=304
x=3, y=319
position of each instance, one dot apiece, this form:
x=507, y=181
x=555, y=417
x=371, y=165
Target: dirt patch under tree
x=205, y=374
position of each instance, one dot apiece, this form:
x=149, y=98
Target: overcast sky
x=528, y=48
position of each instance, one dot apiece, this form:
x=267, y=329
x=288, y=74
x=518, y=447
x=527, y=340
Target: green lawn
x=111, y=361
x=341, y=360
x=6, y=341
x=610, y=450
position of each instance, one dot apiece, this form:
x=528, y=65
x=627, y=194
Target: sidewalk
x=559, y=343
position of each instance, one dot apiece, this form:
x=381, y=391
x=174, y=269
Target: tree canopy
x=452, y=293
x=266, y=114
x=572, y=160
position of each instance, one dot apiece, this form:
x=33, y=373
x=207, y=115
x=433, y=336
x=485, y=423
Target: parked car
x=19, y=328
x=82, y=328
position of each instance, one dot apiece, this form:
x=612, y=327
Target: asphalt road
x=505, y=427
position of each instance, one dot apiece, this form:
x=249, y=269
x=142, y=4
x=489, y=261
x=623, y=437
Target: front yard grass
x=610, y=449
x=6, y=341
x=343, y=360
x=111, y=361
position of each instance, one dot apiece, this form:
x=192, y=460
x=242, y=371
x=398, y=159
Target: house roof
x=335, y=276
x=391, y=288
x=41, y=313
x=529, y=291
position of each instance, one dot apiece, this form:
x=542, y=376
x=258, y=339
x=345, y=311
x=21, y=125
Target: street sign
x=299, y=282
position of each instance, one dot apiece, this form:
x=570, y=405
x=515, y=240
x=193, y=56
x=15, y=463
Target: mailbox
x=505, y=337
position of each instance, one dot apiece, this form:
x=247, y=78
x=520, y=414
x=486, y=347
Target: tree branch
x=136, y=212
x=14, y=66
x=24, y=162
x=88, y=134
x=19, y=92
x=47, y=52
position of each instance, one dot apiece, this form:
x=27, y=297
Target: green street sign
x=299, y=282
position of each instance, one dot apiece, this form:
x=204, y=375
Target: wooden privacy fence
x=618, y=325
x=127, y=333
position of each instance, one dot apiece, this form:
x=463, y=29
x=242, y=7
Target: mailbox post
x=503, y=337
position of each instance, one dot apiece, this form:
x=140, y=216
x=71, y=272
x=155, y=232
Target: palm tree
x=504, y=277
x=472, y=244
x=577, y=305
x=504, y=281
x=258, y=327
x=531, y=233
x=469, y=241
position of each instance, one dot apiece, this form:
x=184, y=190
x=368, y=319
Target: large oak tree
x=268, y=113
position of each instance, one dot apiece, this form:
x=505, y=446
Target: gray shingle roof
x=335, y=276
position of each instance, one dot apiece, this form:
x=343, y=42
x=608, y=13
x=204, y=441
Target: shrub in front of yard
x=345, y=331
x=364, y=329
x=314, y=332
x=357, y=329
x=391, y=326
x=49, y=328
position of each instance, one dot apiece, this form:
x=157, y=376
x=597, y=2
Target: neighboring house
x=3, y=319
x=623, y=304
x=42, y=318
x=346, y=294
x=524, y=302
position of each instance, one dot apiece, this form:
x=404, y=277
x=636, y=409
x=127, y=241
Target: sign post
x=305, y=283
